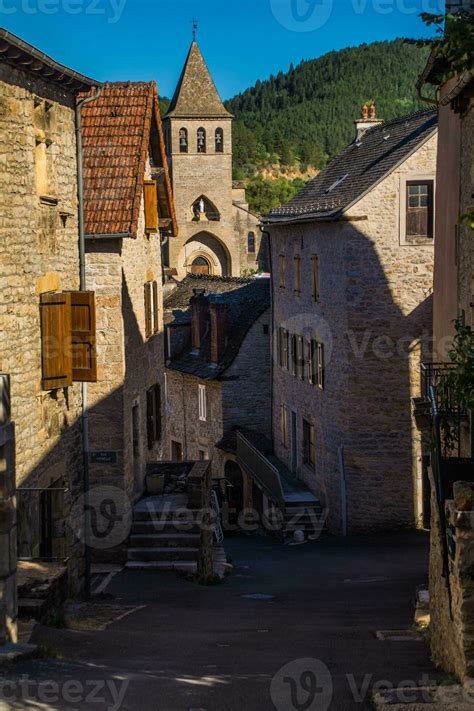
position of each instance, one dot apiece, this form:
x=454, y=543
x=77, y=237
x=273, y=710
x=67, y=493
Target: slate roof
x=247, y=300
x=116, y=134
x=196, y=95
x=358, y=169
x=17, y=52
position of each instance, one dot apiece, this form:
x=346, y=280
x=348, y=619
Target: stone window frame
x=404, y=180
x=44, y=122
x=308, y=446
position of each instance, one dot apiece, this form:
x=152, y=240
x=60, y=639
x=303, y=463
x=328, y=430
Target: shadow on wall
x=50, y=525
x=371, y=324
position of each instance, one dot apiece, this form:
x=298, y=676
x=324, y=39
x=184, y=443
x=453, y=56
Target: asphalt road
x=213, y=649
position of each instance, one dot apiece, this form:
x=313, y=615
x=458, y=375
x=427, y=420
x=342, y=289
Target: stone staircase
x=303, y=516
x=164, y=535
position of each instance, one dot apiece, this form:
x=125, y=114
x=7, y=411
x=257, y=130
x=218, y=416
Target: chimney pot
x=199, y=317
x=368, y=120
x=219, y=331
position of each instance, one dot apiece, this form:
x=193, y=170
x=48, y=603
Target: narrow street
x=213, y=648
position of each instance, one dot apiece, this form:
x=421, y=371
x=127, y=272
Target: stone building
x=218, y=234
x=352, y=265
x=129, y=217
x=451, y=458
x=218, y=374
x=40, y=300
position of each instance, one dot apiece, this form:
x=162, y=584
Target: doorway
x=176, y=451
x=137, y=450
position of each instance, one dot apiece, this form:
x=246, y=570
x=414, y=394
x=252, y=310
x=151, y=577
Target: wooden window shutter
x=148, y=306
x=150, y=417
x=151, y=206
x=297, y=275
x=158, y=427
x=56, y=346
x=83, y=328
x=315, y=276
x=156, y=320
x=321, y=365
x=279, y=345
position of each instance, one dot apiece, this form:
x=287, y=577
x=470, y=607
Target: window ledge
x=48, y=200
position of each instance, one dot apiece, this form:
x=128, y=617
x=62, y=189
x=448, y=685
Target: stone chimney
x=219, y=331
x=199, y=317
x=367, y=121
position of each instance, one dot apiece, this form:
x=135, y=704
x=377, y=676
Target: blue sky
x=242, y=40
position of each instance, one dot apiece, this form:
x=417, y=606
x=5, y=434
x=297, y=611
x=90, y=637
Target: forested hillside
x=307, y=115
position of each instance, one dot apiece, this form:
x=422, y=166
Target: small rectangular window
x=297, y=275
x=251, y=243
x=300, y=359
x=309, y=443
x=321, y=366
x=282, y=270
x=202, y=398
x=284, y=425
x=294, y=355
x=420, y=209
x=152, y=315
x=315, y=277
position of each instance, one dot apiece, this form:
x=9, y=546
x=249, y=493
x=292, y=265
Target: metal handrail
x=218, y=532
x=257, y=465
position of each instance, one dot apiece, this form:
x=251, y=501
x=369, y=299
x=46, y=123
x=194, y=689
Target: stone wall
x=452, y=624
x=38, y=252
x=8, y=521
x=374, y=317
x=128, y=363
x=239, y=398
x=466, y=242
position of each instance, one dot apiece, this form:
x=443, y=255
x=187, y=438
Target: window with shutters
x=312, y=372
x=419, y=209
x=154, y=426
x=282, y=270
x=297, y=261
x=202, y=403
x=68, y=339
x=300, y=359
x=284, y=425
x=315, y=277
x=309, y=444
x=283, y=348
x=151, y=206
x=152, y=314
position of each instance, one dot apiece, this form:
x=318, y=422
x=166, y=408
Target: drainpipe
x=83, y=287
x=266, y=233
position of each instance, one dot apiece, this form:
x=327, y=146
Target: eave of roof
x=115, y=158
x=19, y=53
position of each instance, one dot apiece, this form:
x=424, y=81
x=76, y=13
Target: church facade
x=218, y=235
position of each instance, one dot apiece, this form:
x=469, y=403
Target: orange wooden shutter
x=156, y=319
x=151, y=206
x=84, y=357
x=148, y=297
x=56, y=347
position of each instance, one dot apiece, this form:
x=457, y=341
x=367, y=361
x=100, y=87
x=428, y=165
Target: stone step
x=156, y=527
x=163, y=515
x=168, y=565
x=309, y=519
x=163, y=554
x=162, y=540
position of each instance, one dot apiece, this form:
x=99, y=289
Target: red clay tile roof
x=116, y=133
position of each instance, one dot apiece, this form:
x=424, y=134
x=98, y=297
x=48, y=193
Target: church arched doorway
x=200, y=266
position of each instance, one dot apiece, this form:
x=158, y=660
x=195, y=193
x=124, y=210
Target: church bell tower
x=198, y=131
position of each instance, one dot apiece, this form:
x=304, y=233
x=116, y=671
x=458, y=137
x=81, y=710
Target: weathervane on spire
x=195, y=27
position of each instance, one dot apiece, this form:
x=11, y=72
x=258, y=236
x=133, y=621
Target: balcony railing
x=259, y=468
x=432, y=375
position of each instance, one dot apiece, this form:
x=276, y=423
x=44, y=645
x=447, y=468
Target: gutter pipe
x=83, y=287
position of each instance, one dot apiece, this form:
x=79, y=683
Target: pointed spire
x=196, y=94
